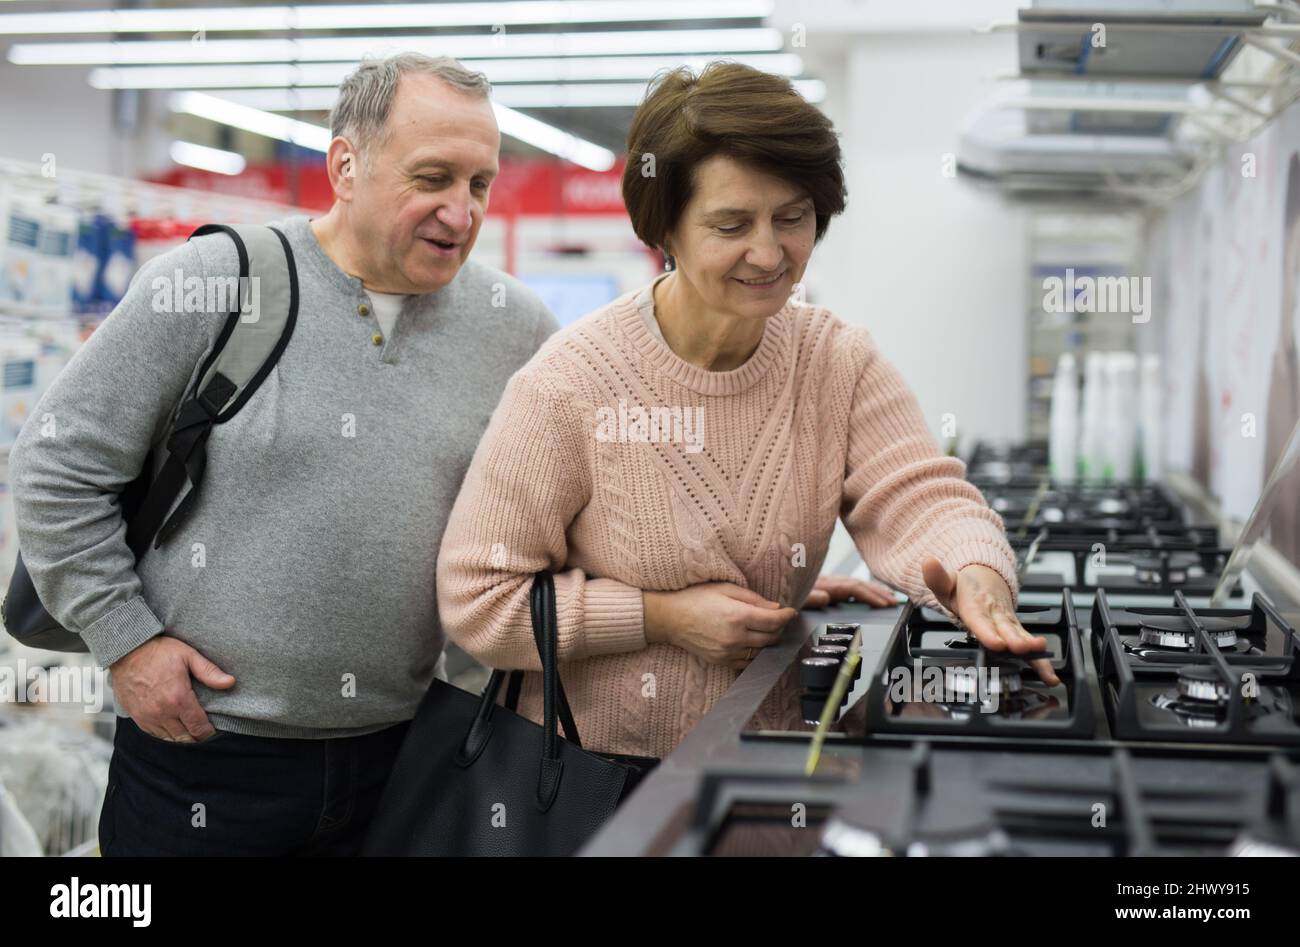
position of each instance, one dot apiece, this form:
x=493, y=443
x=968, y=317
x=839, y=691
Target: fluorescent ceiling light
x=377, y=16
x=308, y=75
x=279, y=127
x=515, y=124
x=552, y=139
x=585, y=95
x=333, y=49
x=206, y=159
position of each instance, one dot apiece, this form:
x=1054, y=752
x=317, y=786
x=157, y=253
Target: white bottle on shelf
x=1149, y=418
x=1121, y=415
x=1063, y=436
x=1092, y=447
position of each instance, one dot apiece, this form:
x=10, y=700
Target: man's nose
x=455, y=215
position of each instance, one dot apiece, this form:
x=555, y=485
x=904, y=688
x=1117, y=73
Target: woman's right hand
x=718, y=622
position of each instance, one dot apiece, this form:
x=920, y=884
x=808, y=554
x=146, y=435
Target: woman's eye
x=734, y=229
x=790, y=220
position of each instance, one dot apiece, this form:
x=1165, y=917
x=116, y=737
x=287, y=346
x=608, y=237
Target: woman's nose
x=764, y=253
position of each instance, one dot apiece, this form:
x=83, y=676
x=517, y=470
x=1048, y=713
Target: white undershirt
x=386, y=307
x=646, y=303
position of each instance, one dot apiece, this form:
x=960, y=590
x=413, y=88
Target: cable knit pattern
x=817, y=423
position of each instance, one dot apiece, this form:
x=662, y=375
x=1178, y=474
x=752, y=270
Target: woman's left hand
x=829, y=589
x=979, y=596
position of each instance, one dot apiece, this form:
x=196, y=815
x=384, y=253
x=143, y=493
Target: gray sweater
x=306, y=569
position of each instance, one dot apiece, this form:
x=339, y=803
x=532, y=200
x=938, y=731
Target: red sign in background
x=526, y=186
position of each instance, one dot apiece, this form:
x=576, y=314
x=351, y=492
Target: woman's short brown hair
x=728, y=109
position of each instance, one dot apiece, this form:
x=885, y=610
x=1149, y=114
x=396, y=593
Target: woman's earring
x=669, y=264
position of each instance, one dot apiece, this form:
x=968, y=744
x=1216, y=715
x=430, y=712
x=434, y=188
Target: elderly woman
x=678, y=458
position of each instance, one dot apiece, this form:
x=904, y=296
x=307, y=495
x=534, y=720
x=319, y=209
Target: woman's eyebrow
x=723, y=212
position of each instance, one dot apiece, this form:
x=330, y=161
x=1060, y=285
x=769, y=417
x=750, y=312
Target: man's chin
x=430, y=279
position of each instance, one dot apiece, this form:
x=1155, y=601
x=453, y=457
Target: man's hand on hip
x=152, y=685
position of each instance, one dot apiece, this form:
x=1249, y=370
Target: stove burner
x=1147, y=568
x=1248, y=846
x=1175, y=633
x=1203, y=684
x=964, y=684
x=1201, y=699
x=842, y=838
x=1111, y=506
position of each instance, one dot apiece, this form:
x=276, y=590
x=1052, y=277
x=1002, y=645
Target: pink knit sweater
x=732, y=476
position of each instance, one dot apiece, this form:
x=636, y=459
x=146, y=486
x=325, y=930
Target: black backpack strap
x=264, y=309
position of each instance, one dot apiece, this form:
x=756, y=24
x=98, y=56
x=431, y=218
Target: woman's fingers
x=981, y=625
x=1022, y=642
x=817, y=598
x=1013, y=633
x=1046, y=673
x=880, y=595
x=770, y=620
x=940, y=581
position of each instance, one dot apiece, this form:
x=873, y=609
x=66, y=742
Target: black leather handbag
x=475, y=778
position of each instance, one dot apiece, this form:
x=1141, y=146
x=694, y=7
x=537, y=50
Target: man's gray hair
x=360, y=113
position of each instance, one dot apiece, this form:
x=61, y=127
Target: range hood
x=1105, y=88
x=1169, y=39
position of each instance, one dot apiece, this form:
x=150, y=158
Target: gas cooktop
x=1174, y=728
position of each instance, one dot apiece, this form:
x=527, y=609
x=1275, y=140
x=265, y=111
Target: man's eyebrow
x=424, y=164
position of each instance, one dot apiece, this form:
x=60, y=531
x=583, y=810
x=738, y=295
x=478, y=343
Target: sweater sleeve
x=903, y=500
x=526, y=483
x=86, y=440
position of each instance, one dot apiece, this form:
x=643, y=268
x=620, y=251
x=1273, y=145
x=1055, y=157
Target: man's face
x=420, y=194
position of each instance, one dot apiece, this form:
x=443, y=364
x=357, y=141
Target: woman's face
x=743, y=240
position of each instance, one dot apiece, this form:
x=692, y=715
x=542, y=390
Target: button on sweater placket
x=377, y=339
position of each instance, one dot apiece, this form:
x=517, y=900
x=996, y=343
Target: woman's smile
x=763, y=283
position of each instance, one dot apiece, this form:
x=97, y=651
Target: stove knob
x=818, y=673
x=812, y=706
x=838, y=652
x=841, y=627
x=842, y=640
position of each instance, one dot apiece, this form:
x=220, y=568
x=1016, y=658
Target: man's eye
x=790, y=220
x=733, y=229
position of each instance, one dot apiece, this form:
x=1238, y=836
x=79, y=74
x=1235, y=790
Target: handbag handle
x=555, y=704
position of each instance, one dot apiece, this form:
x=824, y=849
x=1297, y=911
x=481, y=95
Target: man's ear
x=343, y=165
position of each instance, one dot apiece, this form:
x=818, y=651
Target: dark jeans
x=241, y=795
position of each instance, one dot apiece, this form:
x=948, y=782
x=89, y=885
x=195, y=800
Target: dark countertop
x=665, y=799
x=668, y=793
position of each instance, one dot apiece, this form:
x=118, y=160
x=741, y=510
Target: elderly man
x=267, y=683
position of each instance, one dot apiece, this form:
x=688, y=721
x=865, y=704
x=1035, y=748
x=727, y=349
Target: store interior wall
x=1227, y=255
x=933, y=268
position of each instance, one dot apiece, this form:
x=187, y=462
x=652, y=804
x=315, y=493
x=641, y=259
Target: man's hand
x=979, y=596
x=829, y=589
x=152, y=684
x=718, y=622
